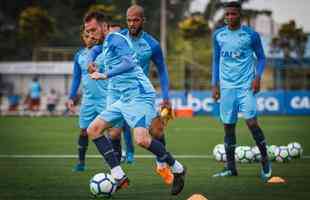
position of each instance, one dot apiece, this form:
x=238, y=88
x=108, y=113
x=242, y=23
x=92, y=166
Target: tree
x=215, y=6
x=108, y=10
x=35, y=25
x=193, y=26
x=291, y=40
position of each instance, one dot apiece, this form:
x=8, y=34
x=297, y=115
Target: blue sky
x=283, y=10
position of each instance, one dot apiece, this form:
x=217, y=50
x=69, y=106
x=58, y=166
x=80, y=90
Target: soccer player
x=148, y=49
x=35, y=94
x=94, y=97
x=236, y=80
x=136, y=104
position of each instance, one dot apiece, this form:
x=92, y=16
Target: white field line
x=99, y=156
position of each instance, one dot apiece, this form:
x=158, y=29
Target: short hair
x=234, y=4
x=136, y=8
x=98, y=16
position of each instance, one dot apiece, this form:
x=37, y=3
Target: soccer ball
x=256, y=154
x=237, y=152
x=102, y=185
x=219, y=153
x=295, y=150
x=271, y=152
x=244, y=154
x=282, y=154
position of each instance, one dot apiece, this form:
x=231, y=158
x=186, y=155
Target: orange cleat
x=166, y=174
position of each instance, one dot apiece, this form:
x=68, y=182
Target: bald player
x=148, y=50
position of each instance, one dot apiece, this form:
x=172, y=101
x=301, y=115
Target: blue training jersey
x=238, y=57
x=122, y=67
x=35, y=90
x=148, y=49
x=92, y=89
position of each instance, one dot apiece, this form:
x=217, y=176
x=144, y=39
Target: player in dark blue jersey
x=238, y=64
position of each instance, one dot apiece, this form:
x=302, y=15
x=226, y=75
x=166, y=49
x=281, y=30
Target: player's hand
x=92, y=68
x=256, y=85
x=96, y=75
x=166, y=111
x=216, y=93
x=70, y=105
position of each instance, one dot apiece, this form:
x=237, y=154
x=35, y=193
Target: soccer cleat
x=79, y=167
x=166, y=174
x=266, y=171
x=130, y=158
x=226, y=172
x=178, y=182
x=122, y=183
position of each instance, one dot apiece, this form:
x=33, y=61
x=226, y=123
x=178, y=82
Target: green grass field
x=52, y=178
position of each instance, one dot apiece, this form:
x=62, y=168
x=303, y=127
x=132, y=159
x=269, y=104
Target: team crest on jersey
x=232, y=54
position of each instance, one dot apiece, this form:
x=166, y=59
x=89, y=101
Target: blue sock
x=105, y=148
x=128, y=139
x=83, y=144
x=162, y=140
x=159, y=150
x=116, y=143
x=230, y=145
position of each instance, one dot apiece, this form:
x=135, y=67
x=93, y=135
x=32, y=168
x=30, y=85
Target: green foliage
x=193, y=26
x=110, y=11
x=35, y=25
x=290, y=39
x=192, y=56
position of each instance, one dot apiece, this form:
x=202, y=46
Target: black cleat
x=178, y=182
x=122, y=183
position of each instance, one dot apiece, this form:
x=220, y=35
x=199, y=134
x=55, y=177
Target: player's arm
x=75, y=84
x=120, y=49
x=158, y=59
x=91, y=57
x=261, y=61
x=215, y=69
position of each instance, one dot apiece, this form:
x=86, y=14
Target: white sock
x=161, y=165
x=177, y=167
x=117, y=172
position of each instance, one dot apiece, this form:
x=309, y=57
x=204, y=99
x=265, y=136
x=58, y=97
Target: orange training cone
x=197, y=197
x=276, y=180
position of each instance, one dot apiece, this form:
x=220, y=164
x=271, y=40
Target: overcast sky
x=283, y=10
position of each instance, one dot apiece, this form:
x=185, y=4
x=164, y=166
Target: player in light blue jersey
x=135, y=104
x=238, y=64
x=35, y=94
x=94, y=96
x=148, y=49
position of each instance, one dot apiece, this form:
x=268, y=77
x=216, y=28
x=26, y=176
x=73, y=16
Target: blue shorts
x=89, y=110
x=137, y=110
x=234, y=100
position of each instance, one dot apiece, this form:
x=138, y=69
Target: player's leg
x=129, y=144
x=144, y=140
x=139, y=113
x=104, y=145
x=157, y=132
x=115, y=136
x=87, y=115
x=82, y=149
x=228, y=113
x=248, y=108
